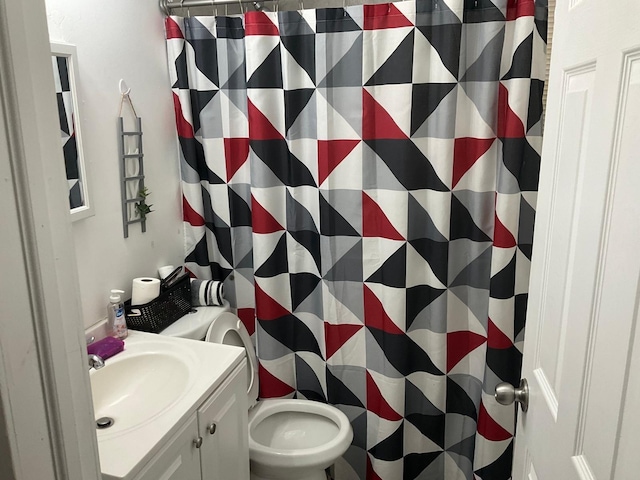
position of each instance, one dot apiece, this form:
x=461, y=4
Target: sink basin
x=150, y=390
x=134, y=389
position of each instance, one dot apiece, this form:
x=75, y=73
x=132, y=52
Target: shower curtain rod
x=167, y=5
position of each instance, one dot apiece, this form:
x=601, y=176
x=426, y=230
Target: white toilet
x=288, y=439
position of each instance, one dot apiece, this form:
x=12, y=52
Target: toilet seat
x=297, y=452
x=228, y=329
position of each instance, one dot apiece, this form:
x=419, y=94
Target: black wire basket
x=159, y=313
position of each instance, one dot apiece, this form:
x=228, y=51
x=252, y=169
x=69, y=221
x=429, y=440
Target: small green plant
x=142, y=209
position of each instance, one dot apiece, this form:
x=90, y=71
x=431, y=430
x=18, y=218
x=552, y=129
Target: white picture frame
x=82, y=193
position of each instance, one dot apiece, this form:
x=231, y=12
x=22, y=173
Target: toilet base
x=293, y=475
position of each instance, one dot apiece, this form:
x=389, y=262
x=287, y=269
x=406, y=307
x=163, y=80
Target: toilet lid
x=228, y=329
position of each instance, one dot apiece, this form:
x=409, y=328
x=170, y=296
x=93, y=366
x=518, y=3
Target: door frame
x=46, y=413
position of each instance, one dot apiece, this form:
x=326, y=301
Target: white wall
x=121, y=39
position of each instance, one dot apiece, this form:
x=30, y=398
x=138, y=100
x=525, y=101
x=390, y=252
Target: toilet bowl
x=288, y=439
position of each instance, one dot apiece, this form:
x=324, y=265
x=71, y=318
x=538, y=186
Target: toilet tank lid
x=194, y=325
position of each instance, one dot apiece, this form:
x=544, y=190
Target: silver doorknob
x=506, y=394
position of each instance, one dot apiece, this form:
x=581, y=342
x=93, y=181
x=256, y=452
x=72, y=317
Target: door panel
x=584, y=279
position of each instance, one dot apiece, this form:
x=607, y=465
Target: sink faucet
x=95, y=361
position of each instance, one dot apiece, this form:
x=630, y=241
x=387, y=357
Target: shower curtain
x=364, y=181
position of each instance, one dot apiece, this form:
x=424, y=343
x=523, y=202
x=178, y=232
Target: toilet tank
x=194, y=325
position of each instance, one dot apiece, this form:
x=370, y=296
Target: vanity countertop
x=163, y=396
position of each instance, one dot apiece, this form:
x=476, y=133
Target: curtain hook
x=240, y=5
x=301, y=4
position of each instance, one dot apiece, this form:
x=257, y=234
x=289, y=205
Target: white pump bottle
x=116, y=321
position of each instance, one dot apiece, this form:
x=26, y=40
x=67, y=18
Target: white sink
x=149, y=390
x=133, y=389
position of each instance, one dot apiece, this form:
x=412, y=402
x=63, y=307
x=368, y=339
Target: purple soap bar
x=106, y=348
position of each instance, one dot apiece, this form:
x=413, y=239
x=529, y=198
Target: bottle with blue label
x=116, y=321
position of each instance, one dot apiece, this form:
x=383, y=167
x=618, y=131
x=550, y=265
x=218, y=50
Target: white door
x=582, y=347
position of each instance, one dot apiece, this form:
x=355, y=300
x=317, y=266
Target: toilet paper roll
x=144, y=289
x=163, y=272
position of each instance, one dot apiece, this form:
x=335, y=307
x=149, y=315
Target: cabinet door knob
x=198, y=442
x=212, y=428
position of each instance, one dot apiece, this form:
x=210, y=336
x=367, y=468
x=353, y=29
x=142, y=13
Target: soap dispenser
x=116, y=321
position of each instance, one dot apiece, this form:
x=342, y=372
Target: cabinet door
x=179, y=459
x=222, y=422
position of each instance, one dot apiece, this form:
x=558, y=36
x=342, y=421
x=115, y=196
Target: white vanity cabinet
x=213, y=443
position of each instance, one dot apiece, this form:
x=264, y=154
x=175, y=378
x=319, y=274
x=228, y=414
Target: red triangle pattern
x=375, y=223
x=383, y=16
x=267, y=308
x=496, y=337
x=248, y=317
x=502, y=237
x=489, y=428
x=236, y=153
x=262, y=221
x=377, y=404
x=466, y=152
x=375, y=316
x=257, y=23
x=376, y=121
x=371, y=473
x=190, y=215
x=172, y=29
x=185, y=129
x=460, y=344
x=260, y=128
x=271, y=386
x=509, y=125
x=336, y=336
x=331, y=153
x=520, y=8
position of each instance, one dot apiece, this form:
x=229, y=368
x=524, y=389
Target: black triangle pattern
x=418, y=298
x=289, y=169
x=406, y=357
x=269, y=73
x=303, y=49
x=294, y=103
x=332, y=223
x=446, y=39
x=409, y=165
x=292, y=333
x=398, y=67
x=393, y=272
x=520, y=66
x=338, y=393
x=462, y=224
x=391, y=448
x=436, y=254
x=334, y=20
x=240, y=211
x=302, y=285
x=199, y=100
x=425, y=98
x=480, y=11
x=307, y=381
x=277, y=263
x=415, y=463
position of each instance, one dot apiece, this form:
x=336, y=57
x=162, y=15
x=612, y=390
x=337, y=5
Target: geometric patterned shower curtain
x=364, y=181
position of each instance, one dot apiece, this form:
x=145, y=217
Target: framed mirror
x=65, y=69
